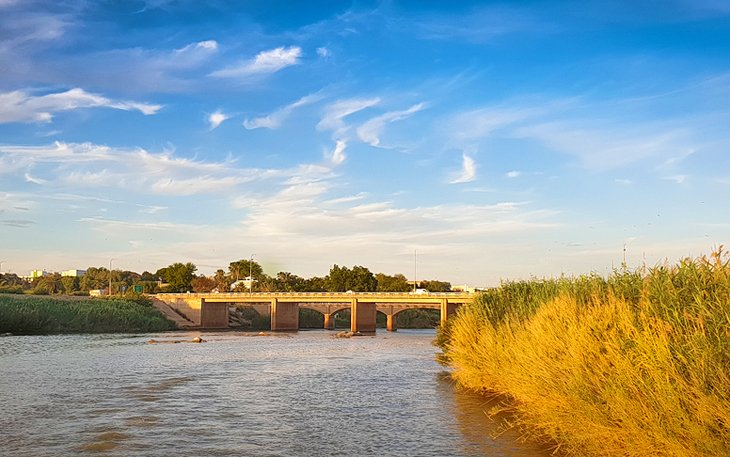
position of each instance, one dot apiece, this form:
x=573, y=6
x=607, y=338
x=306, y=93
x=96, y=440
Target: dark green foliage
x=96, y=278
x=418, y=318
x=244, y=268
x=395, y=283
x=178, y=276
x=357, y=279
x=38, y=316
x=435, y=286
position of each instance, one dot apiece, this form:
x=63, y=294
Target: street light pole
x=110, y=277
x=415, y=270
x=250, y=275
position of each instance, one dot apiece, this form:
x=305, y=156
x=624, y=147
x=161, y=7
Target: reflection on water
x=279, y=395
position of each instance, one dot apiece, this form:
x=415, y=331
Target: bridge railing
x=326, y=294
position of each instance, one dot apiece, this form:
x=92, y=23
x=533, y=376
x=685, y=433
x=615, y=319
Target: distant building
x=467, y=289
x=35, y=274
x=247, y=282
x=73, y=273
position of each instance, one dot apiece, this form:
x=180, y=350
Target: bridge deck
x=326, y=297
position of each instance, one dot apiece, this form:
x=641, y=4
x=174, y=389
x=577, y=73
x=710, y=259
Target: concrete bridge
x=210, y=310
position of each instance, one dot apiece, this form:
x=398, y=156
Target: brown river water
x=299, y=394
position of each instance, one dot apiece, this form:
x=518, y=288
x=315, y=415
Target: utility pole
x=250, y=275
x=415, y=270
x=110, y=277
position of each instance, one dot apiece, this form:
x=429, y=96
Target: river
x=300, y=394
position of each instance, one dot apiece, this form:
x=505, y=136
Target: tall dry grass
x=633, y=365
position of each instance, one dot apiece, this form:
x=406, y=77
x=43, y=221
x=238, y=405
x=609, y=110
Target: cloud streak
x=468, y=171
x=19, y=106
x=370, y=131
x=265, y=62
x=336, y=112
x=277, y=118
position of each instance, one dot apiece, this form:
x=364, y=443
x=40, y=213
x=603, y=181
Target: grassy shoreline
x=34, y=315
x=633, y=365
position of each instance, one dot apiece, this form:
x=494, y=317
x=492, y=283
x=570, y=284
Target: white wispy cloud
x=610, y=145
x=265, y=62
x=336, y=112
x=476, y=124
x=323, y=52
x=370, y=131
x=468, y=170
x=19, y=106
x=337, y=156
x=216, y=119
x=88, y=166
x=678, y=179
x=513, y=174
x=275, y=119
x=34, y=180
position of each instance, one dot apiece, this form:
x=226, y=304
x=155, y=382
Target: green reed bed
x=33, y=315
x=634, y=365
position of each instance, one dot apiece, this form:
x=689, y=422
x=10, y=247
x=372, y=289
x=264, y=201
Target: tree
x=147, y=276
x=436, y=286
x=96, y=278
x=314, y=284
x=244, y=268
x=178, y=276
x=203, y=284
x=265, y=283
x=222, y=281
x=288, y=282
x=357, y=279
x=50, y=284
x=70, y=284
x=395, y=283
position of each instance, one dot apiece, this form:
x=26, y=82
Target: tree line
x=182, y=277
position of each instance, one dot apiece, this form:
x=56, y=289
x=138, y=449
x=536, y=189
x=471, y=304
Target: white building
x=73, y=273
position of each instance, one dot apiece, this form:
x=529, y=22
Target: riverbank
x=632, y=365
x=34, y=315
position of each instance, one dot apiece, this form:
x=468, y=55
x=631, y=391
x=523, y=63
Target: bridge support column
x=329, y=322
x=284, y=316
x=390, y=316
x=447, y=309
x=391, y=323
x=362, y=316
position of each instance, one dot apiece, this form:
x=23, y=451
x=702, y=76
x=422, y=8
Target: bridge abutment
x=213, y=315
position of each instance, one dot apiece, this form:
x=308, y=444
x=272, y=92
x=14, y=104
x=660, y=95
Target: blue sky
x=497, y=140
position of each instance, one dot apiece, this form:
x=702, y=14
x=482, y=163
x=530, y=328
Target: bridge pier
x=329, y=321
x=362, y=316
x=284, y=316
x=391, y=323
x=447, y=309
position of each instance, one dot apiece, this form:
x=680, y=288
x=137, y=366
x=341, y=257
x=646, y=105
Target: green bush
x=30, y=315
